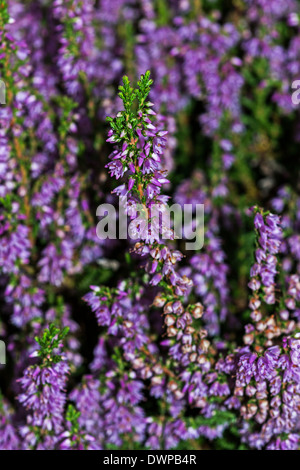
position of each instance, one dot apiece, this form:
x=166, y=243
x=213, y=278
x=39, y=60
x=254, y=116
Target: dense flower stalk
x=43, y=393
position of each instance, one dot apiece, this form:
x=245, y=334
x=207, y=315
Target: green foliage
x=72, y=415
x=49, y=342
x=4, y=15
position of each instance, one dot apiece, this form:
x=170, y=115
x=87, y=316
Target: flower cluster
x=43, y=392
x=263, y=272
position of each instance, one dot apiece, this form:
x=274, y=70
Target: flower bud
x=254, y=303
x=193, y=357
x=146, y=373
x=197, y=311
x=250, y=390
x=159, y=301
x=157, y=369
x=260, y=326
x=201, y=359
x=186, y=348
x=186, y=339
x=178, y=307
x=201, y=402
x=170, y=320
x=157, y=380
x=203, y=333
x=204, y=344
x=138, y=363
x=178, y=395
x=171, y=331
x=256, y=315
x=180, y=324
x=189, y=330
x=168, y=308
x=187, y=317
x=172, y=386
x=248, y=339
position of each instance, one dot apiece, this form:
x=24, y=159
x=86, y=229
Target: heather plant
x=139, y=342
